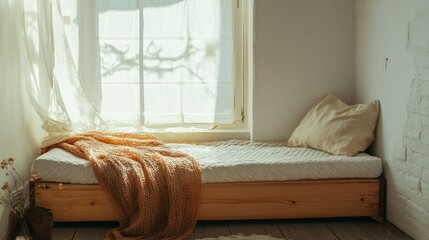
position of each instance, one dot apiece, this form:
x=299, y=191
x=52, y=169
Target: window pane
x=121, y=102
x=161, y=61
x=119, y=60
x=118, y=19
x=213, y=105
x=165, y=103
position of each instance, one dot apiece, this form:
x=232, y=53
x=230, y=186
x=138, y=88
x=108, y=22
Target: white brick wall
x=408, y=193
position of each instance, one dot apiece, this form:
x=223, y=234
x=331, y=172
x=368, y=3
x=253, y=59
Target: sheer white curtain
x=142, y=62
x=152, y=62
x=47, y=66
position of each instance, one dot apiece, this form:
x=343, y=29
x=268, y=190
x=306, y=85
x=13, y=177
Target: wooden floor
x=306, y=229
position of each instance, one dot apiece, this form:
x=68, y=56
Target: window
x=160, y=62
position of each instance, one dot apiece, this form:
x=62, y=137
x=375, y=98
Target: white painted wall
x=18, y=124
x=303, y=49
x=392, y=63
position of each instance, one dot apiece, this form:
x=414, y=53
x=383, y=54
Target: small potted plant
x=15, y=195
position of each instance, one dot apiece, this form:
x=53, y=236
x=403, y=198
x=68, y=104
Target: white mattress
x=231, y=161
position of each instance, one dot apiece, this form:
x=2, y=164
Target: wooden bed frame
x=228, y=201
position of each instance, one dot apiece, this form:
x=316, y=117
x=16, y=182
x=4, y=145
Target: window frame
x=241, y=16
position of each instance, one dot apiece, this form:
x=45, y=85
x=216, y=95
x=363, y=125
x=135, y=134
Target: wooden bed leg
x=381, y=200
x=32, y=195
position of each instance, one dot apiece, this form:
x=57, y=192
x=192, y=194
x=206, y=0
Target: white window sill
x=178, y=135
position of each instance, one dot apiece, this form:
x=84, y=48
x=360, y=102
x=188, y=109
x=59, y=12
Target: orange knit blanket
x=154, y=189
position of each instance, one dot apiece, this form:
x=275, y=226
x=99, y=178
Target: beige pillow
x=337, y=128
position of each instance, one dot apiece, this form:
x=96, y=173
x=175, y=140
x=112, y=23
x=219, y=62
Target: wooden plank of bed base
x=223, y=201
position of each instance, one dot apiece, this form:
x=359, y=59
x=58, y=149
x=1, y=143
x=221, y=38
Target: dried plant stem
x=16, y=197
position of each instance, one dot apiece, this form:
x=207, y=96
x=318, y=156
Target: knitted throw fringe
x=154, y=189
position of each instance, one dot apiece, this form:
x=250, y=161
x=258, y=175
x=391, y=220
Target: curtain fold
x=184, y=65
x=49, y=71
